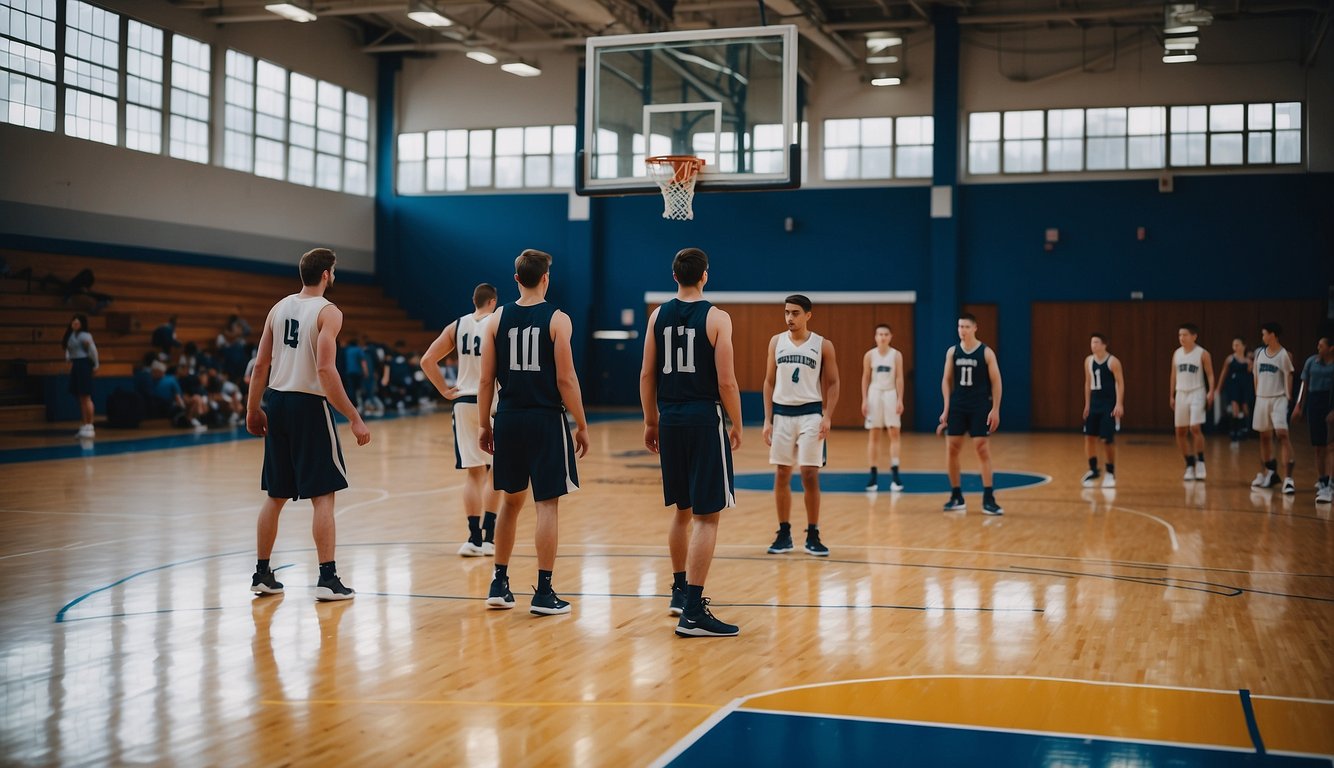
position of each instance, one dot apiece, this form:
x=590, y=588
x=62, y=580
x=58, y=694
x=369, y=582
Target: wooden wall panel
x=851, y=328
x=1143, y=335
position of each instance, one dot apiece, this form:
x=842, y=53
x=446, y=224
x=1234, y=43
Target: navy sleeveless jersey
x=687, y=376
x=972, y=380
x=1102, y=392
x=526, y=359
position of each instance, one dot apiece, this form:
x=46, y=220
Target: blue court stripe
x=1251, y=724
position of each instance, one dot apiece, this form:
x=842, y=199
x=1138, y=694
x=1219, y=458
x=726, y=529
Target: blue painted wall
x=1217, y=237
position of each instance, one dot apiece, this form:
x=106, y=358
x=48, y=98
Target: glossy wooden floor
x=128, y=635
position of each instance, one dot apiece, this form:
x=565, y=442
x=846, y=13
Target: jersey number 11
x=528, y=362
x=685, y=355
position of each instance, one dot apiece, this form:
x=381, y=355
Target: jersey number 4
x=685, y=354
x=290, y=337
x=528, y=360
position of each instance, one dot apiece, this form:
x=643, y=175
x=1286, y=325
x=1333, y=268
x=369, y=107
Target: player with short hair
x=295, y=381
x=530, y=440
x=686, y=384
x=465, y=335
x=1104, y=397
x=800, y=392
x=971, y=388
x=1192, y=390
x=1273, y=390
x=882, y=403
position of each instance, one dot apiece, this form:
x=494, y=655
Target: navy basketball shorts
x=972, y=421
x=696, y=468
x=534, y=447
x=1317, y=411
x=302, y=456
x=1101, y=425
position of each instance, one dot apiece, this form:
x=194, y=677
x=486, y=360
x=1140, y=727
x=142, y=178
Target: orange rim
x=684, y=166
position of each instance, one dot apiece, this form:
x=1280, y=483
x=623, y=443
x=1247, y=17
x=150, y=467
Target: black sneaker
x=782, y=543
x=332, y=588
x=873, y=482
x=1089, y=477
x=705, y=624
x=956, y=504
x=678, y=601
x=813, y=545
x=548, y=604
x=990, y=507
x=265, y=584
x=500, y=595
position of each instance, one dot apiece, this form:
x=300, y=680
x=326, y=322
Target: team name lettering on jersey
x=1189, y=368
x=884, y=368
x=809, y=362
x=1268, y=368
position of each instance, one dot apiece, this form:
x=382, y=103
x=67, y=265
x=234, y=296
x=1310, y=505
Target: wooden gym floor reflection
x=1186, y=616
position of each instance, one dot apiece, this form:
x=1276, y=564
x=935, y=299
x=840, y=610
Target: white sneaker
x=1199, y=470
x=489, y=548
x=1289, y=487
x=1326, y=495
x=1109, y=480
x=895, y=486
x=1261, y=479
x=85, y=430
x=1190, y=472
x=1088, y=478
x=471, y=550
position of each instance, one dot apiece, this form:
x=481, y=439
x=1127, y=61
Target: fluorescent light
x=874, y=44
x=1177, y=58
x=1181, y=43
x=521, y=68
x=882, y=59
x=616, y=335
x=291, y=12
x=481, y=56
x=1181, y=29
x=429, y=19
x=886, y=81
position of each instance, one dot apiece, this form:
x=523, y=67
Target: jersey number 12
x=528, y=362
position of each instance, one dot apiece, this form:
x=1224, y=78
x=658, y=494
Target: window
x=878, y=148
x=301, y=130
x=459, y=159
x=914, y=138
x=28, y=63
x=356, y=148
x=1132, y=138
x=270, y=120
x=143, y=88
x=238, y=120
x=189, y=99
x=92, y=72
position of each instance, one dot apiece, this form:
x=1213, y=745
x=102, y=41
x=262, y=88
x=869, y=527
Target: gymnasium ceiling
x=837, y=28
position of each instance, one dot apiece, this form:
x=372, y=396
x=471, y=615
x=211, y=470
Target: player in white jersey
x=1273, y=391
x=800, y=392
x=1192, y=390
x=882, y=403
x=465, y=335
x=289, y=407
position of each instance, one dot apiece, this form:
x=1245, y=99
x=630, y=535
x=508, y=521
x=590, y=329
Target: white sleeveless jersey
x=468, y=342
x=798, y=370
x=884, y=371
x=1190, y=368
x=1271, y=372
x=295, y=332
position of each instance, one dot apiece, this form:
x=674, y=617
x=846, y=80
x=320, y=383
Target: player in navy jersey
x=686, y=383
x=971, y=388
x=465, y=335
x=1104, y=394
x=526, y=349
x=294, y=382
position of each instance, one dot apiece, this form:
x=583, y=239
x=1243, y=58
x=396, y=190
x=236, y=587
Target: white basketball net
x=676, y=176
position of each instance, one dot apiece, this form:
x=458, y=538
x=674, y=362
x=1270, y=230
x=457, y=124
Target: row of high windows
x=278, y=124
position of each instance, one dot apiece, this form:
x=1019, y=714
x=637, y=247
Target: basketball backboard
x=726, y=95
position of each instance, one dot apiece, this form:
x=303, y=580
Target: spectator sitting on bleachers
x=164, y=338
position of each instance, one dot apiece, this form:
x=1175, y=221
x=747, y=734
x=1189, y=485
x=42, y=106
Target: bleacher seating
x=145, y=295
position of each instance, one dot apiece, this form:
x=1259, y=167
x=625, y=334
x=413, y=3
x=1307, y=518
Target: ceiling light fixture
x=1178, y=57
x=1184, y=43
x=425, y=14
x=481, y=56
x=291, y=12
x=521, y=68
x=886, y=81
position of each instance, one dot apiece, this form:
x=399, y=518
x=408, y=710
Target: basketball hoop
x=675, y=175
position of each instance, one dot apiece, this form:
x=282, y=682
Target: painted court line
x=475, y=703
x=1171, y=531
